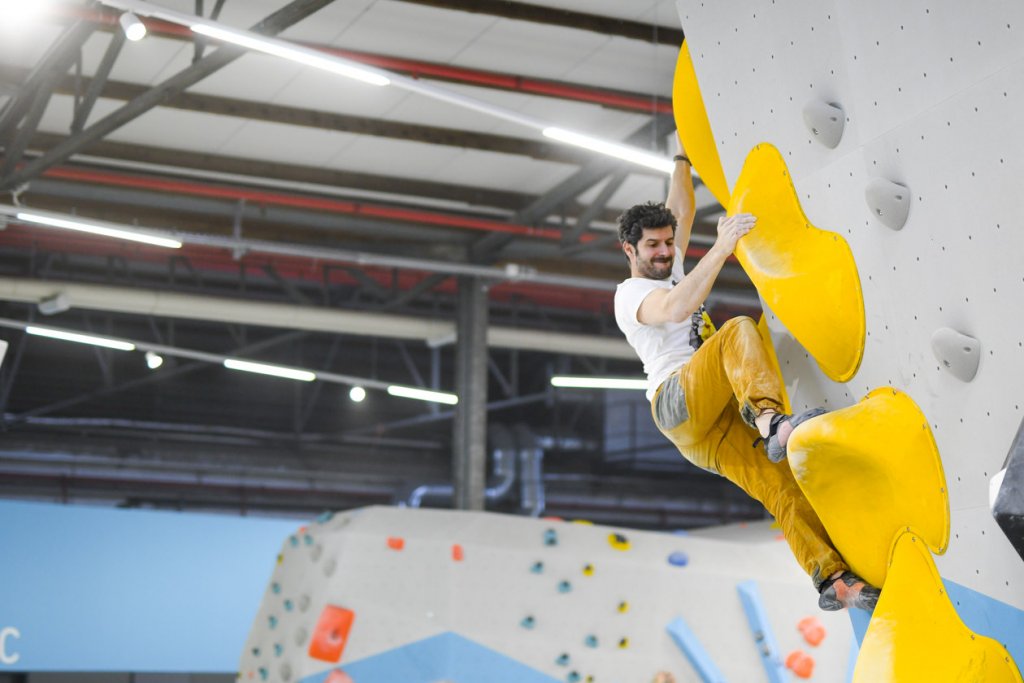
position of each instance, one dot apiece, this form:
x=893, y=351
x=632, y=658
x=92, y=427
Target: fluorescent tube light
x=293, y=52
x=598, y=382
x=626, y=153
x=273, y=370
x=80, y=338
x=423, y=394
x=133, y=28
x=96, y=228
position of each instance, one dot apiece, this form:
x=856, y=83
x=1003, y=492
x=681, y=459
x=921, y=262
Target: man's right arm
x=679, y=303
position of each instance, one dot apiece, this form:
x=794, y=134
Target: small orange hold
x=800, y=663
x=396, y=542
x=338, y=676
x=457, y=553
x=780, y=537
x=812, y=629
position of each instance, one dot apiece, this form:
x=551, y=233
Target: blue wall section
x=448, y=657
x=100, y=589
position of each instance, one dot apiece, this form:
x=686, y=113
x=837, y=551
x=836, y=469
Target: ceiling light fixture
x=624, y=152
x=153, y=360
x=134, y=29
x=93, y=227
x=272, y=370
x=570, y=382
x=357, y=394
x=79, y=338
x=293, y=52
x=423, y=394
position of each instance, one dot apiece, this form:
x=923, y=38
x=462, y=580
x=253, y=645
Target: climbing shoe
x=847, y=590
x=776, y=451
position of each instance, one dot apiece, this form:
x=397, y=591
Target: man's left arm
x=680, y=201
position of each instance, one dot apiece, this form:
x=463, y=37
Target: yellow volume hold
x=806, y=276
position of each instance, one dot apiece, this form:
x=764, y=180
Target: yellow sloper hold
x=868, y=471
x=695, y=129
x=807, y=276
x=915, y=633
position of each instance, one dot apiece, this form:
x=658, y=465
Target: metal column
x=470, y=435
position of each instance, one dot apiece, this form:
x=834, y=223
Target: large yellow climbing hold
x=807, y=276
x=915, y=633
x=870, y=470
x=695, y=129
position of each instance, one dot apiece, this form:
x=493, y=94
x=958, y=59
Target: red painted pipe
x=422, y=69
x=422, y=217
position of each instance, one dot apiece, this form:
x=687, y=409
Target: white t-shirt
x=664, y=348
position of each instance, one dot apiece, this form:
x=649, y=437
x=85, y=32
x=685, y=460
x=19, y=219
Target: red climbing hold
x=812, y=629
x=457, y=553
x=396, y=542
x=331, y=633
x=801, y=663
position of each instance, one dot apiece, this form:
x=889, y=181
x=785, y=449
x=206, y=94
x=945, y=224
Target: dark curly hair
x=649, y=215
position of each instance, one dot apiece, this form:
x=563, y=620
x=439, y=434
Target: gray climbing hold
x=1008, y=507
x=888, y=201
x=825, y=121
x=957, y=353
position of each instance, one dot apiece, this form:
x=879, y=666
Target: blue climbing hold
x=325, y=517
x=563, y=659
x=678, y=559
x=564, y=587
x=528, y=622
x=278, y=649
x=550, y=537
x=573, y=677
x=288, y=605
x=272, y=620
x=590, y=641
x=537, y=568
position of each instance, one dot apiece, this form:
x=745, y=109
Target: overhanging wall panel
x=954, y=139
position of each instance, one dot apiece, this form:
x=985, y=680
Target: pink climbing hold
x=338, y=676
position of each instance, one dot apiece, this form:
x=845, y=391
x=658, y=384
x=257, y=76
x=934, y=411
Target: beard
x=656, y=269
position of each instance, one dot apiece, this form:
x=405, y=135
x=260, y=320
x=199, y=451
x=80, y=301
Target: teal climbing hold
x=550, y=537
x=272, y=620
x=528, y=622
x=276, y=587
x=573, y=677
x=325, y=517
x=294, y=540
x=288, y=605
x=563, y=659
x=308, y=539
x=537, y=568
x=564, y=586
x=278, y=649
x=590, y=641
x=264, y=674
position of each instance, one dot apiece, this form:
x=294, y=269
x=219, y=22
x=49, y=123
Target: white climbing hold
x=826, y=122
x=958, y=353
x=888, y=201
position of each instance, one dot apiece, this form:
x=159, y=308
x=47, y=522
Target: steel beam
x=521, y=11
x=272, y=25
x=470, y=425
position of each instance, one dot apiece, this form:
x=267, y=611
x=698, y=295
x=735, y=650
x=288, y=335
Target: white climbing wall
x=932, y=91
x=566, y=600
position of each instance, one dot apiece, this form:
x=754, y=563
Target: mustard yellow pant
x=728, y=382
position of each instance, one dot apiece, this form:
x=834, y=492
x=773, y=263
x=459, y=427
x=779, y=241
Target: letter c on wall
x=5, y=633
